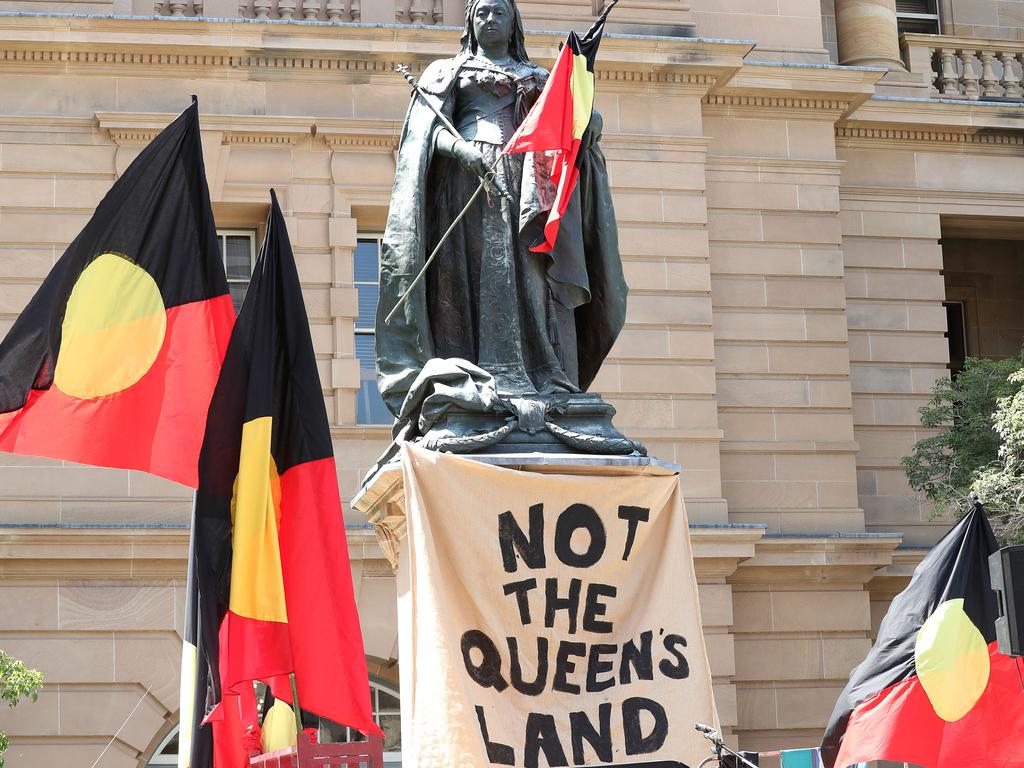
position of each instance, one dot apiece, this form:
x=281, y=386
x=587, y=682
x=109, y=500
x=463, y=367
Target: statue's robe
x=584, y=272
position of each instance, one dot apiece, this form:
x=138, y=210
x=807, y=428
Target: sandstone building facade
x=817, y=199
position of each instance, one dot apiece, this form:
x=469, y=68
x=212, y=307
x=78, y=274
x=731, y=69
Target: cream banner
x=547, y=620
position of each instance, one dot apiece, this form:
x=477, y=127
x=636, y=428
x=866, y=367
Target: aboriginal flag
x=561, y=119
x=934, y=690
x=114, y=359
x=271, y=590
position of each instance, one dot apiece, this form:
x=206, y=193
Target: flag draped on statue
x=271, y=590
x=561, y=118
x=114, y=359
x=935, y=690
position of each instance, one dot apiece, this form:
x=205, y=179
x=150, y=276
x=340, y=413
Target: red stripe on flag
x=156, y=425
x=251, y=649
x=327, y=646
x=231, y=718
x=899, y=723
x=321, y=641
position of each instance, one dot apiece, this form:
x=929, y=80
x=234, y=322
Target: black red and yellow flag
x=272, y=590
x=934, y=690
x=561, y=119
x=114, y=359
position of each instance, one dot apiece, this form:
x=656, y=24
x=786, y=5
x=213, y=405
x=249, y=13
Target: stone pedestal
x=867, y=33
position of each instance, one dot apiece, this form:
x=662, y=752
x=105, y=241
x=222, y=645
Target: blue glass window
x=370, y=408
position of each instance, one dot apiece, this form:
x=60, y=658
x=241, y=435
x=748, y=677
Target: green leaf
x=17, y=682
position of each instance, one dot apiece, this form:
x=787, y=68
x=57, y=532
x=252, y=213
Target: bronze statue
x=495, y=328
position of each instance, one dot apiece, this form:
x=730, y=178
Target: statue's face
x=492, y=22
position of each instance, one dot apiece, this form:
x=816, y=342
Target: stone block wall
x=897, y=350
x=803, y=621
x=100, y=613
x=995, y=19
x=783, y=29
x=782, y=364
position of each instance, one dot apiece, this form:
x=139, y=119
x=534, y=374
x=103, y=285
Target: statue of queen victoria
x=499, y=343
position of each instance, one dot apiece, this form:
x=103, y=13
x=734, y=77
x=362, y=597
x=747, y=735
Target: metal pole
x=295, y=707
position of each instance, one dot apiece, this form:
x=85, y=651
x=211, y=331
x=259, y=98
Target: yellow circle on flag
x=952, y=661
x=114, y=326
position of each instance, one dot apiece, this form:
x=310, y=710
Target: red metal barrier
x=359, y=754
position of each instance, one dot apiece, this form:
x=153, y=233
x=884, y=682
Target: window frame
x=222, y=236
x=934, y=18
x=158, y=759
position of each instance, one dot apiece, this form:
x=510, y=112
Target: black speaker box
x=1006, y=568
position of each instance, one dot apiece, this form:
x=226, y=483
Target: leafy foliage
x=17, y=682
x=1001, y=486
x=944, y=466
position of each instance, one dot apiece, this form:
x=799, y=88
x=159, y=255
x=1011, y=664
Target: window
x=238, y=252
x=384, y=701
x=919, y=16
x=167, y=752
x=370, y=408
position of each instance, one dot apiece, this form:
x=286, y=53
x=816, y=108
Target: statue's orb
x=952, y=661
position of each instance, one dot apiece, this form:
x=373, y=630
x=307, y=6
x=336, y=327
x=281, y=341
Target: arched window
x=167, y=752
x=384, y=698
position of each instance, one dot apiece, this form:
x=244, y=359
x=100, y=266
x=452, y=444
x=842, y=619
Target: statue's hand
x=470, y=158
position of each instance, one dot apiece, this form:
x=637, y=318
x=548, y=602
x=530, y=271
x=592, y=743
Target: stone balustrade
x=419, y=11
x=967, y=68
x=405, y=11
x=654, y=17
x=310, y=10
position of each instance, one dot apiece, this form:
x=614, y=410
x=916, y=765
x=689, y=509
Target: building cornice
x=356, y=135
x=934, y=137
x=340, y=52
x=138, y=128
x=800, y=558
x=792, y=91
x=785, y=107
x=123, y=552
x=937, y=123
x=917, y=195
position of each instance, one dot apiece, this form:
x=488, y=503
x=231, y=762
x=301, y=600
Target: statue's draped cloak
x=584, y=272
